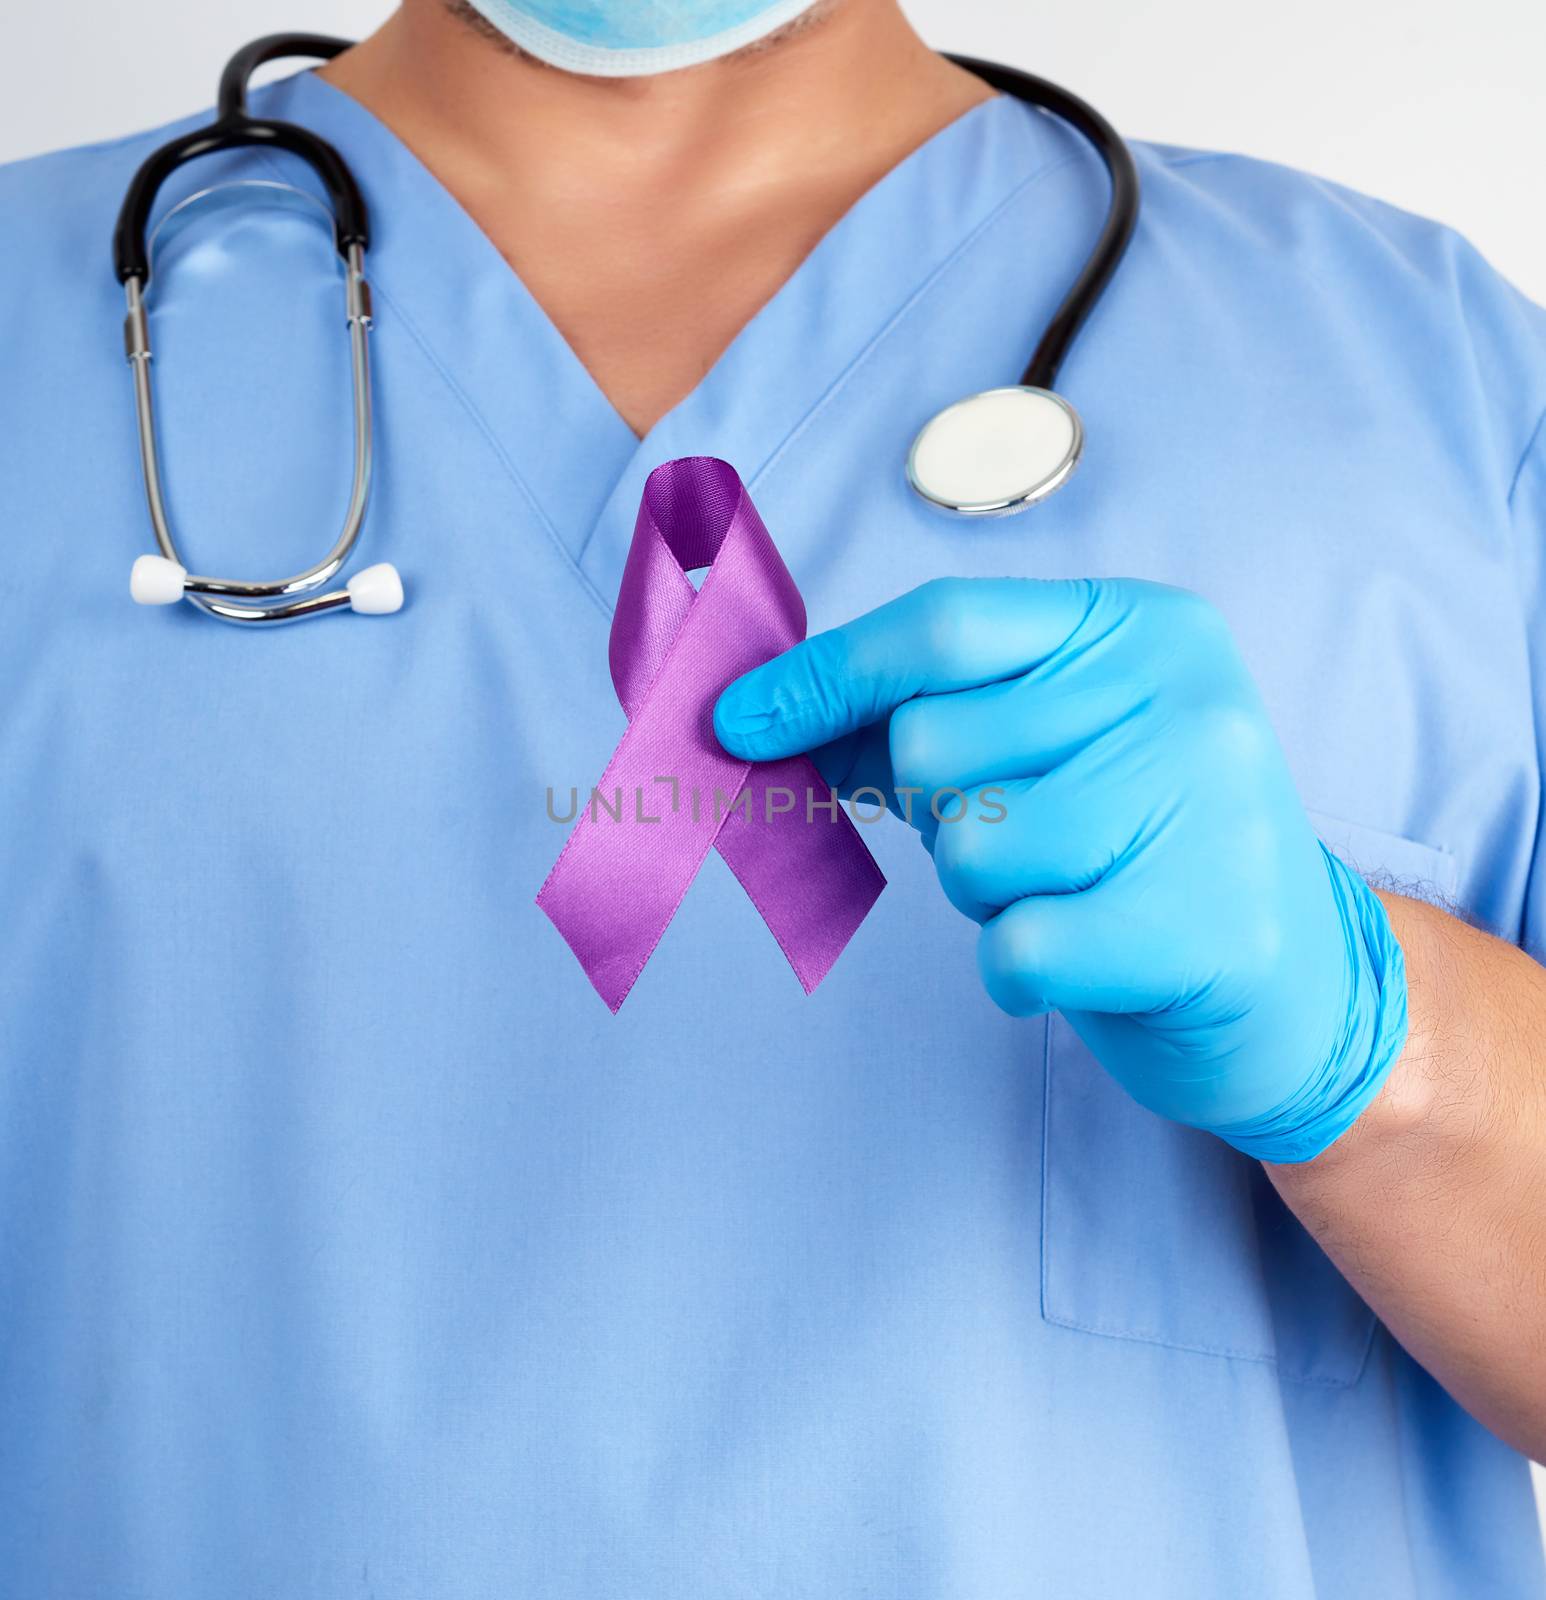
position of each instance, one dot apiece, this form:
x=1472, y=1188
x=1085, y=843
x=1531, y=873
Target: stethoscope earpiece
x=156, y=581
x=996, y=452
x=373, y=591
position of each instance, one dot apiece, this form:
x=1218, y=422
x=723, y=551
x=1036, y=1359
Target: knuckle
x=1190, y=628
x=945, y=605
x=821, y=667
x=965, y=856
x=1185, y=608
x=802, y=691
x=1009, y=954
x=912, y=742
x=823, y=652
x=1225, y=734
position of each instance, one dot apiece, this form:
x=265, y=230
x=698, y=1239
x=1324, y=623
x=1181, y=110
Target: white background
x=1437, y=108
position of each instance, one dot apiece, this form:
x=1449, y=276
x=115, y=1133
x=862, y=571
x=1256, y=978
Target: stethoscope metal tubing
x=216, y=595
x=295, y=611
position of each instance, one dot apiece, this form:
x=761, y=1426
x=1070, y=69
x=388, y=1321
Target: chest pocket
x=1161, y=1234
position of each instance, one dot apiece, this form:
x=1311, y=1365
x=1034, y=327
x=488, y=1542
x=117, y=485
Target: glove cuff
x=1371, y=1040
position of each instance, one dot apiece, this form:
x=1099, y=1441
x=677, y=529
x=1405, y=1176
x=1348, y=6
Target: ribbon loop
x=625, y=867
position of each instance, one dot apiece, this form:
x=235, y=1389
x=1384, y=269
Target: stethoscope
x=987, y=455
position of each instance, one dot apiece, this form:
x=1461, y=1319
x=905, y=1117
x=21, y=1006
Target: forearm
x=1434, y=1202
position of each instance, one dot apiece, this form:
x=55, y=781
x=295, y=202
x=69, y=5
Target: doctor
x=1172, y=1224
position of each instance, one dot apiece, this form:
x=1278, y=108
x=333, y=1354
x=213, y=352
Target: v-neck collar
x=440, y=277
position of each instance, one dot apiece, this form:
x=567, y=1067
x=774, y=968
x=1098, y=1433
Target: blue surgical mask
x=631, y=38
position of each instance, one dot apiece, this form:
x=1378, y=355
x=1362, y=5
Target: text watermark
x=864, y=805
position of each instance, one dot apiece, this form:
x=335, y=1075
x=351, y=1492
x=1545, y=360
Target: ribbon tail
x=617, y=884
x=806, y=870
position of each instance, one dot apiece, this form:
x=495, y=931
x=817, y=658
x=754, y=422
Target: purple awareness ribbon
x=623, y=871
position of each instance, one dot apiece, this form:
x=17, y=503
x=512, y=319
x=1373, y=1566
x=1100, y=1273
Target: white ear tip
x=376, y=590
x=155, y=581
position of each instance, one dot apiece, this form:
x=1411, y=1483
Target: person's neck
x=601, y=189
x=849, y=87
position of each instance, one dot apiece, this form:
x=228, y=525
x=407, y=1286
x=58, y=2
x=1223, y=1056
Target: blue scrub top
x=348, y=1246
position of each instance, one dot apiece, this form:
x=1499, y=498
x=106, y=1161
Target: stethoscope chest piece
x=996, y=452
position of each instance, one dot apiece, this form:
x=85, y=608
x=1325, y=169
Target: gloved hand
x=1147, y=868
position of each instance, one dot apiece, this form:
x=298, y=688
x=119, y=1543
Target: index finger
x=951, y=633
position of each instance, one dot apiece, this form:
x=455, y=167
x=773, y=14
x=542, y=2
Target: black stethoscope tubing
x=1121, y=213
x=234, y=127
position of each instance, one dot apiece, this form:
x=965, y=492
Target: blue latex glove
x=1153, y=874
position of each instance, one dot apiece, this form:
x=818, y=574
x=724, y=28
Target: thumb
x=953, y=633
